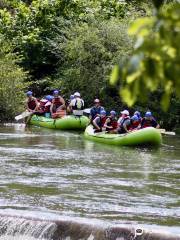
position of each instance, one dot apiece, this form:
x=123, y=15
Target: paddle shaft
x=163, y=131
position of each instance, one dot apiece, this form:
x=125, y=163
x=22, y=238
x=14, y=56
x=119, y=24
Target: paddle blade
x=169, y=133
x=22, y=115
x=163, y=131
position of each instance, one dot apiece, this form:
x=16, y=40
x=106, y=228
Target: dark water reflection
x=60, y=172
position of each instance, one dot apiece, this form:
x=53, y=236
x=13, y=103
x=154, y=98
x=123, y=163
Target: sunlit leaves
x=141, y=26
x=114, y=75
x=156, y=57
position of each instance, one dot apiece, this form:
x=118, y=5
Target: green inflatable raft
x=69, y=122
x=148, y=136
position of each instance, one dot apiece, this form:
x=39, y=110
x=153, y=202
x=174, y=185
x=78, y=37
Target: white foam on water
x=19, y=237
x=18, y=228
x=91, y=237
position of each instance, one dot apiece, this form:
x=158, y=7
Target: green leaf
x=165, y=100
x=141, y=26
x=131, y=78
x=114, y=75
x=127, y=96
x=170, y=51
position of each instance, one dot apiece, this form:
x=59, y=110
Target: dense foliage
x=156, y=58
x=91, y=51
x=73, y=45
x=12, y=84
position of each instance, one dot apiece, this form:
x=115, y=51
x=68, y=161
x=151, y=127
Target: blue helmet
x=148, y=114
x=134, y=118
x=55, y=92
x=102, y=112
x=49, y=98
x=137, y=113
x=113, y=112
x=71, y=97
x=29, y=93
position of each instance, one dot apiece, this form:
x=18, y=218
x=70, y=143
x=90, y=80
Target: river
x=50, y=174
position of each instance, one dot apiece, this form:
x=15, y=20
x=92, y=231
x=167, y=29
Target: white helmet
x=77, y=94
x=126, y=112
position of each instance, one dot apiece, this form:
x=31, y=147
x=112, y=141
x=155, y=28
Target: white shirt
x=78, y=100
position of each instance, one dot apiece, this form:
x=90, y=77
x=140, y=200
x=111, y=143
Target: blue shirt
x=95, y=110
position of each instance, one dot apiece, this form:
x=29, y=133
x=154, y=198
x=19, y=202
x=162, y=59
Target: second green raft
x=147, y=136
x=69, y=122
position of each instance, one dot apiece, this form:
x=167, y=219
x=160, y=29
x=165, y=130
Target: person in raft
x=76, y=106
x=95, y=110
x=58, y=102
x=138, y=114
x=44, y=106
x=99, y=121
x=47, y=111
x=127, y=124
x=111, y=122
x=68, y=101
x=124, y=122
x=135, y=123
x=149, y=121
x=41, y=109
x=31, y=102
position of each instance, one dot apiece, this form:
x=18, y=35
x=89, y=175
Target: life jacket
x=113, y=123
x=122, y=122
x=32, y=103
x=134, y=125
x=42, y=105
x=47, y=107
x=57, y=101
x=146, y=123
x=102, y=122
x=79, y=105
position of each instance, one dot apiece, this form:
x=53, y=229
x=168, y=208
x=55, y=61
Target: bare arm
x=125, y=127
x=37, y=105
x=63, y=102
x=51, y=107
x=105, y=124
x=26, y=106
x=95, y=124
x=69, y=108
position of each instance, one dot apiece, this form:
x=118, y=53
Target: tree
x=12, y=84
x=156, y=59
x=91, y=50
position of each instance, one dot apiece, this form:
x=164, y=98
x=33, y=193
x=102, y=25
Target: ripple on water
x=58, y=171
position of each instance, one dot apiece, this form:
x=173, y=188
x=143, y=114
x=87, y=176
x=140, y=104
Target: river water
x=59, y=175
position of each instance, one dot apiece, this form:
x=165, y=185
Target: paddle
x=23, y=115
x=163, y=131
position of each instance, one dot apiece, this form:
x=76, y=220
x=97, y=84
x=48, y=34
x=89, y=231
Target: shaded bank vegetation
x=72, y=45
x=12, y=83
